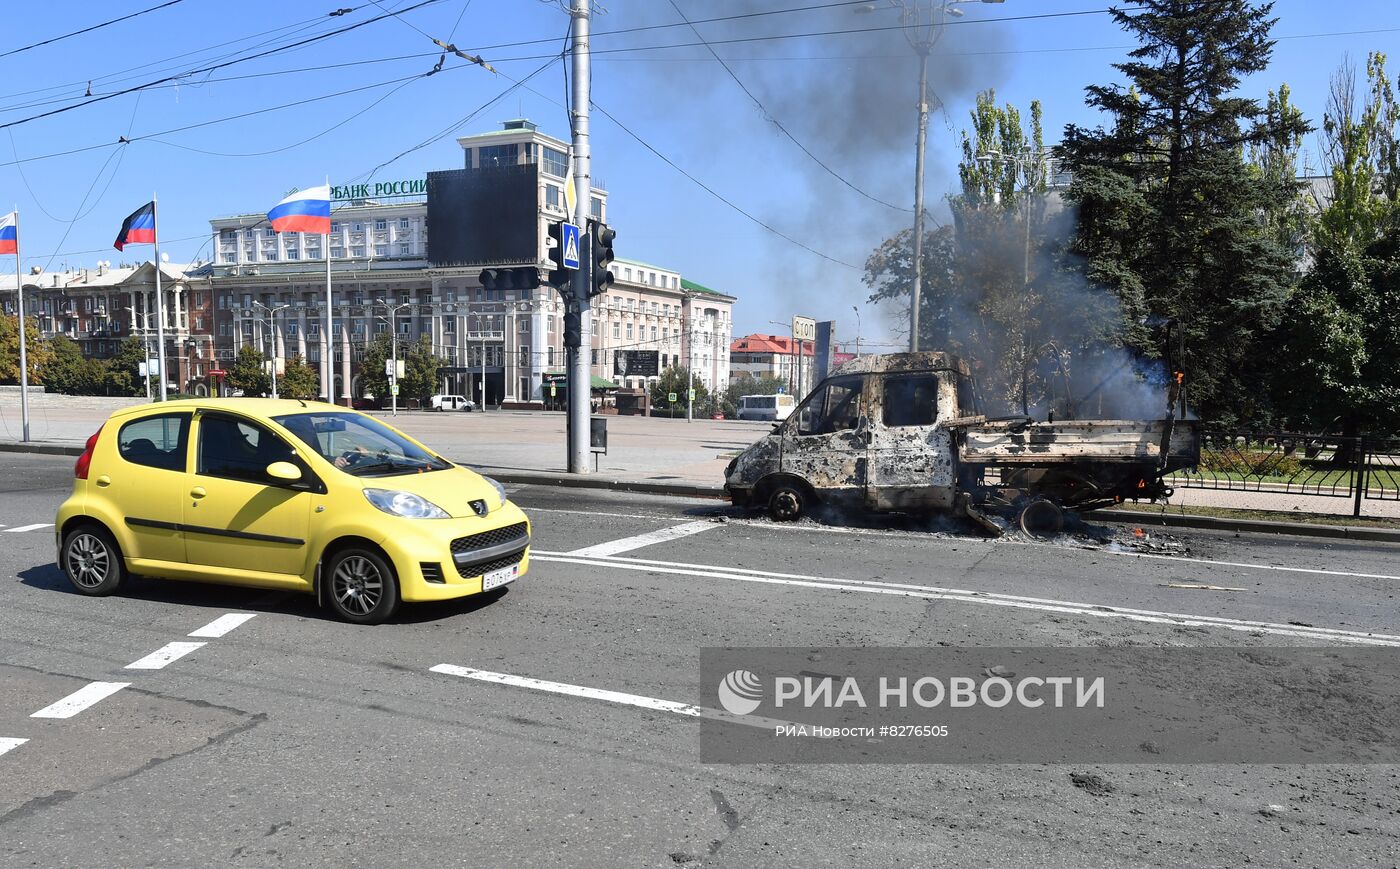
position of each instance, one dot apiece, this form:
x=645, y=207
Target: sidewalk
x=644, y=454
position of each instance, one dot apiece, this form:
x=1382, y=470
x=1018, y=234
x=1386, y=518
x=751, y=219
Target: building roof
x=778, y=344
x=78, y=280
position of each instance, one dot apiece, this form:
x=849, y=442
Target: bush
x=1248, y=462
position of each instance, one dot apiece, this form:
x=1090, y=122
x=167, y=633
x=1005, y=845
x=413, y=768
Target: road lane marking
x=654, y=703
x=651, y=538
x=164, y=655
x=35, y=527
x=599, y=513
x=86, y=696
x=1316, y=571
x=925, y=592
x=222, y=625
x=10, y=743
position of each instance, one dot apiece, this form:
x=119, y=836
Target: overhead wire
x=52, y=40
x=212, y=67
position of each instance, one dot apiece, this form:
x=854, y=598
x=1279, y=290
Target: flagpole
x=329, y=358
x=23, y=341
x=160, y=302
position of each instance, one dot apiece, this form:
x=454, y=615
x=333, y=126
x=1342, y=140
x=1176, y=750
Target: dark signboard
x=483, y=216
x=637, y=363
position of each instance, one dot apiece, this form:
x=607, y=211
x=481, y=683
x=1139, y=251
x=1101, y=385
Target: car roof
x=256, y=407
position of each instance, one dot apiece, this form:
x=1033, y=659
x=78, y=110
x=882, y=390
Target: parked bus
x=770, y=408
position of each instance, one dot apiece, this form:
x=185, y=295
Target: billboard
x=636, y=363
x=486, y=216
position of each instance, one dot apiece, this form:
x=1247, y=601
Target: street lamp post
x=272, y=337
x=857, y=310
x=922, y=20
x=393, y=318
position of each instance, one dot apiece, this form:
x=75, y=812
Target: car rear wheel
x=362, y=587
x=91, y=561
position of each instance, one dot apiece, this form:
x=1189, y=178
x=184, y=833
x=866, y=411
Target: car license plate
x=498, y=578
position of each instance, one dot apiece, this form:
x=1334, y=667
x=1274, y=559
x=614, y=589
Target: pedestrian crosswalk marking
x=35, y=527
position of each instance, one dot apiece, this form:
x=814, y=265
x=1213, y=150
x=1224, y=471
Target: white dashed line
x=35, y=527
x=222, y=625
x=651, y=538
x=685, y=709
x=164, y=655
x=81, y=699
x=10, y=743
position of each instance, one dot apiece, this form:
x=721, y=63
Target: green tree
x=421, y=364
x=1202, y=253
x=677, y=379
x=249, y=372
x=36, y=350
x=1338, y=363
x=298, y=380
x=122, y=373
x=373, y=380
x=71, y=373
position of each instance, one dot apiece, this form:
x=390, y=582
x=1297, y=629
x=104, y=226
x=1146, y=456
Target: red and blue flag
x=138, y=228
x=304, y=211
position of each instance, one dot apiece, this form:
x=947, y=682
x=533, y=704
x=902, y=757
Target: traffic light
x=573, y=328
x=600, y=245
x=510, y=279
x=559, y=276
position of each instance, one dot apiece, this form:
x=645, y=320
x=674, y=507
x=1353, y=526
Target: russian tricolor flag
x=9, y=233
x=304, y=211
x=138, y=228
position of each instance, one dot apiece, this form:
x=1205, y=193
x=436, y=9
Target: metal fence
x=1357, y=468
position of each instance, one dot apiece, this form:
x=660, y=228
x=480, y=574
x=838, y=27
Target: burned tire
x=1041, y=518
x=788, y=502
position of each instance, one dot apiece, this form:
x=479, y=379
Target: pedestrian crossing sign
x=570, y=239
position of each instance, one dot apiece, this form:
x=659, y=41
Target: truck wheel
x=1041, y=518
x=787, y=502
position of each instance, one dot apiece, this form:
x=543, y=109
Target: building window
x=653, y=333
x=617, y=329
x=338, y=252
x=449, y=324
x=552, y=196
x=270, y=255
x=404, y=250
x=335, y=226
x=229, y=257
x=381, y=250
x=270, y=232
x=403, y=224
x=551, y=356
x=555, y=162
x=357, y=250
x=597, y=209
x=381, y=225
x=357, y=227
x=629, y=331
x=405, y=327
x=293, y=253
x=497, y=155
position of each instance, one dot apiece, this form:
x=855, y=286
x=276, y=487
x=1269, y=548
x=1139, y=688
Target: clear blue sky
x=848, y=98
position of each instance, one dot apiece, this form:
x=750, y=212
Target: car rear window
x=158, y=441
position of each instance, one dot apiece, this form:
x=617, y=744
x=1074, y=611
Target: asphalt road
x=294, y=739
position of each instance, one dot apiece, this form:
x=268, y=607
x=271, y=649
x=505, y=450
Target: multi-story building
x=774, y=356
x=501, y=345
x=102, y=307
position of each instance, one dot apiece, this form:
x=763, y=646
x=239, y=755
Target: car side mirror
x=284, y=471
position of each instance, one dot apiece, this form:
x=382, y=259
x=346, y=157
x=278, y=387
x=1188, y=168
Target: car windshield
x=360, y=445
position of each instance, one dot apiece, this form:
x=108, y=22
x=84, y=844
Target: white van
x=452, y=402
x=769, y=408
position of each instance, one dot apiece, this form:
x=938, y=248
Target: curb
x=43, y=449
x=569, y=481
x=1251, y=526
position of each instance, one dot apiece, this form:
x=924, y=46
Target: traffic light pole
x=580, y=381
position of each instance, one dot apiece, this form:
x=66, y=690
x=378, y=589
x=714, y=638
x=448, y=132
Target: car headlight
x=500, y=490
x=405, y=504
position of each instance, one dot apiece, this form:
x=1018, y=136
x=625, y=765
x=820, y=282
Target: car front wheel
x=91, y=560
x=362, y=586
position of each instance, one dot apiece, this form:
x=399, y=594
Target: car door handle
x=104, y=481
x=197, y=492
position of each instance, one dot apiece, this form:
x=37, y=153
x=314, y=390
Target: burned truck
x=905, y=432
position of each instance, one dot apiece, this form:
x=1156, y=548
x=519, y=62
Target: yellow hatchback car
x=285, y=494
